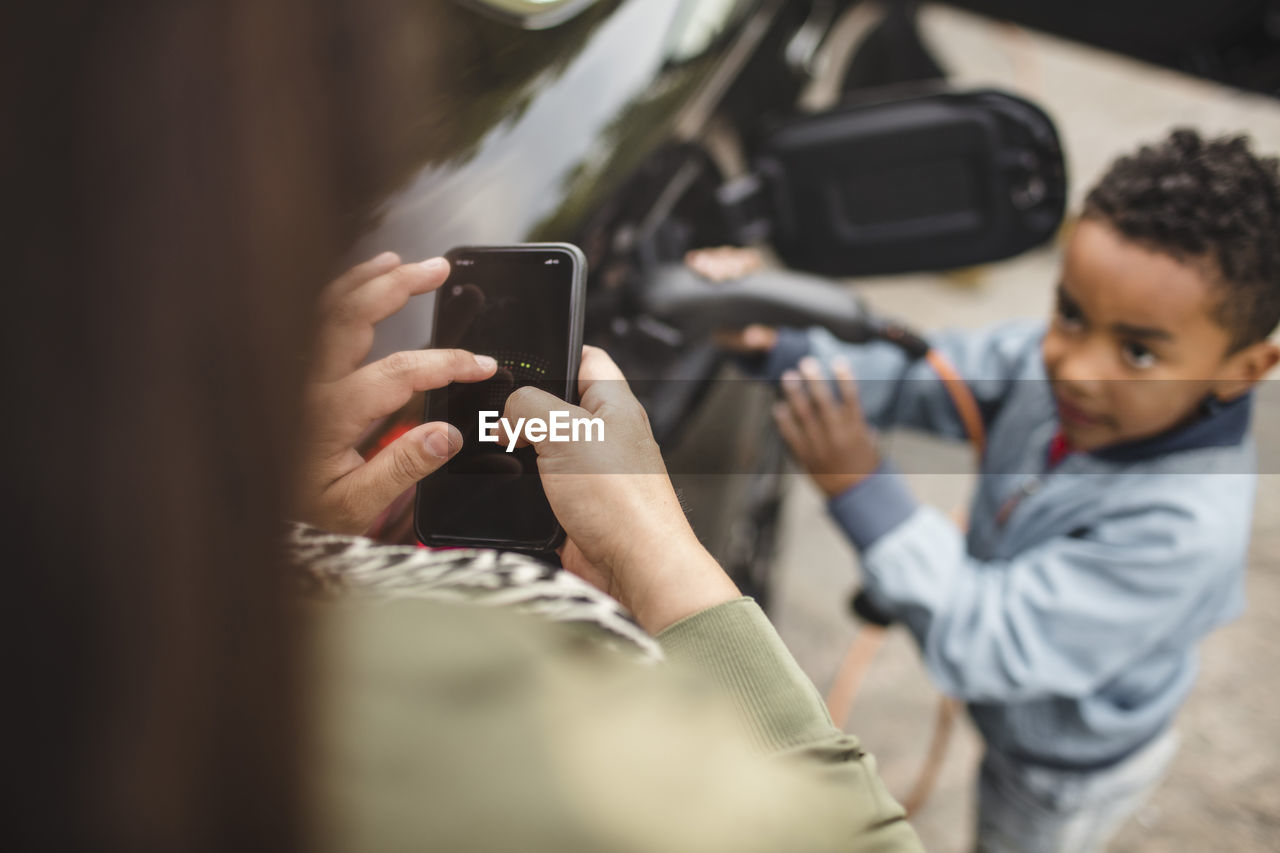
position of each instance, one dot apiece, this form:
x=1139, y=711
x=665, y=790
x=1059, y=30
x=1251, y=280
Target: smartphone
x=523, y=306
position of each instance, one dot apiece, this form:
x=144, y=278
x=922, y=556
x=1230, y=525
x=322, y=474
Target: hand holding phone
x=628, y=534
x=521, y=305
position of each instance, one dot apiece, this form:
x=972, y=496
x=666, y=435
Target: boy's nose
x=1079, y=369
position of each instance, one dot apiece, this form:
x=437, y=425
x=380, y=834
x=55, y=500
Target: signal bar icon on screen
x=551, y=261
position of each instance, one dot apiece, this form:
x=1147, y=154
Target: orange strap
x=852, y=670
x=963, y=399
x=948, y=709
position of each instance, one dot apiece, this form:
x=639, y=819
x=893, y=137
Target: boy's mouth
x=1073, y=415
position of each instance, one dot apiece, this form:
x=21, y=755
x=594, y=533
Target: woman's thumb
x=372, y=487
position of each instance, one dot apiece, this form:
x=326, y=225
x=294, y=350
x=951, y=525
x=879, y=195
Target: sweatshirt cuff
x=734, y=646
x=874, y=507
x=792, y=345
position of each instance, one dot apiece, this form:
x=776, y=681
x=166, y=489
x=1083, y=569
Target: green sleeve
x=734, y=646
x=471, y=729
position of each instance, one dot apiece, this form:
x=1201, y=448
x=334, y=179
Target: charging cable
x=875, y=623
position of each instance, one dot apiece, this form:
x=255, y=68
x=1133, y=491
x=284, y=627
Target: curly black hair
x=1204, y=199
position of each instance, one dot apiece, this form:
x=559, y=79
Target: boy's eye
x=1136, y=355
x=1069, y=314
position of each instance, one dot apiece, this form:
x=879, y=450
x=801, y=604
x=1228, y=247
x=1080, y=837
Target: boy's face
x=1134, y=346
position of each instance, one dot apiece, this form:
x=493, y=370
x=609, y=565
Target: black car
x=639, y=129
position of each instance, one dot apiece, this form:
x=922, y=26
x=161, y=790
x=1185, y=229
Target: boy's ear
x=1245, y=368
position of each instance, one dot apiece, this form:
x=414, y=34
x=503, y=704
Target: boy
x=1109, y=529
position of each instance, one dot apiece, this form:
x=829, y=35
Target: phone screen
x=522, y=306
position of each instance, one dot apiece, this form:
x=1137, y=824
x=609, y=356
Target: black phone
x=523, y=306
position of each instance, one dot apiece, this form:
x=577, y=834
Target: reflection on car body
x=590, y=129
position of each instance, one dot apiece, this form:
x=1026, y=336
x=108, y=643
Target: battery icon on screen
x=552, y=261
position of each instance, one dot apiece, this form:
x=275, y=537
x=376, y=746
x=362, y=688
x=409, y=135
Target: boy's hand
x=755, y=338
x=828, y=435
x=724, y=262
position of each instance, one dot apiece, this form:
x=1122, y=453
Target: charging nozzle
x=682, y=298
x=685, y=300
